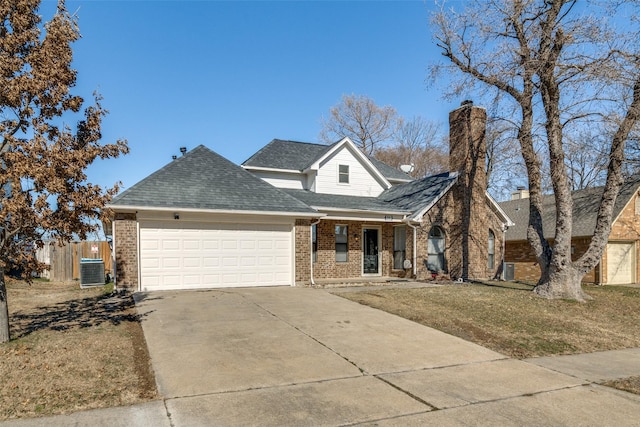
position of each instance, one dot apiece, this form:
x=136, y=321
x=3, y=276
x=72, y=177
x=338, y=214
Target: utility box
x=509, y=271
x=91, y=272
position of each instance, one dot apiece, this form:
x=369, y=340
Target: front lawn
x=72, y=349
x=511, y=320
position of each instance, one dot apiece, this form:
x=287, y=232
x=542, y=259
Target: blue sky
x=233, y=75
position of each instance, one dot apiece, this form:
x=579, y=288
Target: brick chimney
x=467, y=146
x=467, y=156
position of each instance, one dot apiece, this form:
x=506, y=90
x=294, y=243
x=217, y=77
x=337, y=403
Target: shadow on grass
x=112, y=308
x=515, y=285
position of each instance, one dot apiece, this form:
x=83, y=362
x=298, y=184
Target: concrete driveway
x=299, y=356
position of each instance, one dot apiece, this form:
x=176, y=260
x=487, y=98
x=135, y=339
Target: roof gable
x=302, y=156
x=585, y=211
x=420, y=195
x=202, y=179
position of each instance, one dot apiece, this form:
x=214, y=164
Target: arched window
x=491, y=250
x=435, y=250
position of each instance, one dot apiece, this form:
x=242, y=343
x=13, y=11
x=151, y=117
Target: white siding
x=361, y=181
x=282, y=180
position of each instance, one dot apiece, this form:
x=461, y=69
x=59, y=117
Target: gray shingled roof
x=294, y=155
x=585, y=211
x=319, y=200
x=202, y=179
x=389, y=172
x=416, y=195
x=290, y=155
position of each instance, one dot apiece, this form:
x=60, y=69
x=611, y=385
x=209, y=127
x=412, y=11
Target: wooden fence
x=64, y=261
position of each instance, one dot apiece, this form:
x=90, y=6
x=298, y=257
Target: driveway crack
x=362, y=371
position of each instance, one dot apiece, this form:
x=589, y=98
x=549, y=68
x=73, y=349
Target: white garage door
x=620, y=263
x=181, y=255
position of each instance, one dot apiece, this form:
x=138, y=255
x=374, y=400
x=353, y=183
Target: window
x=314, y=243
x=492, y=250
x=342, y=247
x=435, y=250
x=399, y=246
x=343, y=174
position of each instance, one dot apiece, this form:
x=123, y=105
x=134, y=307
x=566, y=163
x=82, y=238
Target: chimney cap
x=520, y=188
x=466, y=102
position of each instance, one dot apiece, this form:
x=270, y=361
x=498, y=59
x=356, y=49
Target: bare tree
x=560, y=66
x=44, y=191
x=586, y=159
x=505, y=169
x=417, y=142
x=360, y=119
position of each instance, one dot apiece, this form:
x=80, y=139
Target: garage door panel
x=620, y=263
x=170, y=244
x=205, y=255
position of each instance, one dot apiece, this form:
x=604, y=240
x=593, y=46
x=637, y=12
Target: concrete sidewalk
x=299, y=356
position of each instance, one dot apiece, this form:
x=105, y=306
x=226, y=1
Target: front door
x=370, y=251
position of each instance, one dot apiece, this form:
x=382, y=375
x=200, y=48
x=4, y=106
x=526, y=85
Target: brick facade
x=463, y=214
x=626, y=228
x=126, y=250
x=303, y=251
x=326, y=266
x=445, y=214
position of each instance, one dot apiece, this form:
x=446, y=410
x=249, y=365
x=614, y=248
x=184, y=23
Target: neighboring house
x=619, y=263
x=294, y=213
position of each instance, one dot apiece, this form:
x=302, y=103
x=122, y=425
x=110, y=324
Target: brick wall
x=126, y=250
x=445, y=214
x=626, y=228
x=303, y=251
x=326, y=266
x=526, y=267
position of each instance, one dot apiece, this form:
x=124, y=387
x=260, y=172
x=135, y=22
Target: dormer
x=339, y=168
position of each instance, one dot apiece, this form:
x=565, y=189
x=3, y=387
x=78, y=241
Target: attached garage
x=198, y=255
x=620, y=263
x=203, y=222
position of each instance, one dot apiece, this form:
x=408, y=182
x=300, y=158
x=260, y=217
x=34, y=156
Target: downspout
x=113, y=256
x=415, y=246
x=505, y=227
x=311, y=280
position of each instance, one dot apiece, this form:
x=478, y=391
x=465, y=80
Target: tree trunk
x=564, y=283
x=4, y=310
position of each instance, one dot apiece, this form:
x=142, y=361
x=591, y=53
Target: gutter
x=125, y=208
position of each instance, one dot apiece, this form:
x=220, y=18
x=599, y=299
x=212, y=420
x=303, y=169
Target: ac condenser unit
x=91, y=272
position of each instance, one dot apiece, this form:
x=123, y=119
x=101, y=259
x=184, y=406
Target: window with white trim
x=342, y=243
x=491, y=250
x=435, y=250
x=399, y=246
x=343, y=174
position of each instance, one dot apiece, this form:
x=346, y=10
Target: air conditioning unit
x=509, y=271
x=91, y=272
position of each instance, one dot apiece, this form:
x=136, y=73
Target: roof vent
x=466, y=102
x=183, y=150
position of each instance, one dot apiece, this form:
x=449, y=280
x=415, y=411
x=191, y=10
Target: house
x=619, y=263
x=295, y=213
